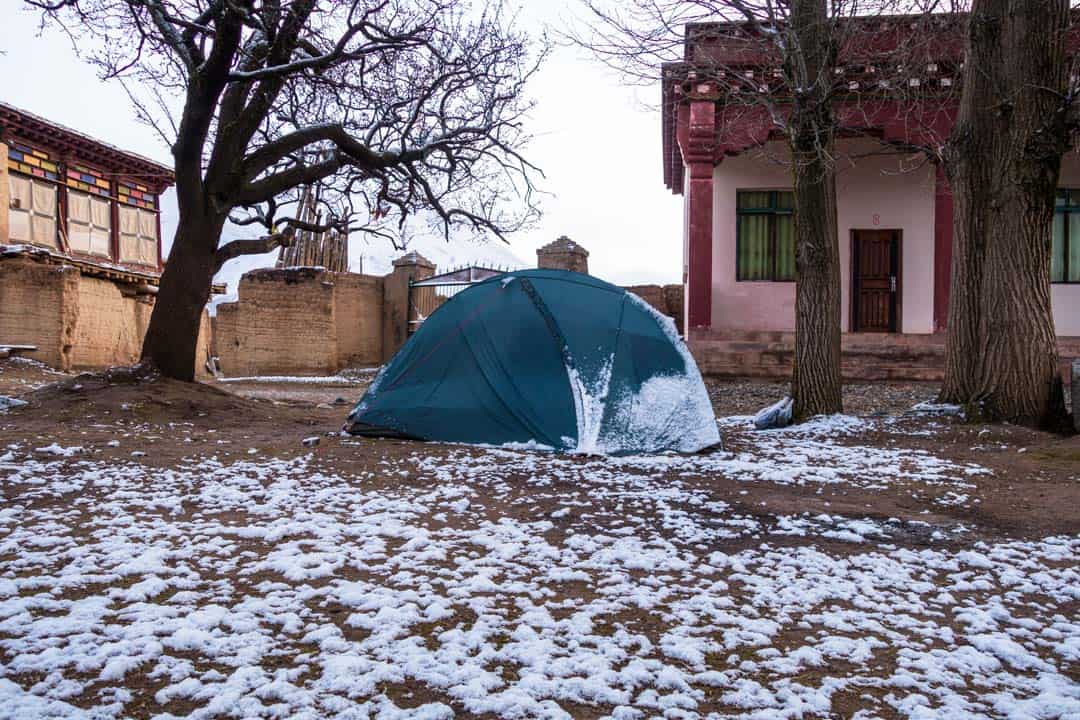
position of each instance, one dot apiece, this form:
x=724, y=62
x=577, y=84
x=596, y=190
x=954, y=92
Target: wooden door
x=875, y=280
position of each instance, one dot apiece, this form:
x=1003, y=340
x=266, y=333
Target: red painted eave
x=53, y=137
x=923, y=121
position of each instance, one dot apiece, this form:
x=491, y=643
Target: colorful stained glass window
x=765, y=235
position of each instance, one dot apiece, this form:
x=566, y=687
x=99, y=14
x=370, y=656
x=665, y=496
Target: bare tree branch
x=253, y=246
x=397, y=110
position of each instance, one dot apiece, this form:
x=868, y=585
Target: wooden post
x=5, y=199
x=697, y=141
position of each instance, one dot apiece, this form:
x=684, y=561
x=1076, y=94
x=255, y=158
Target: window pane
x=79, y=235
x=147, y=225
x=785, y=247
x=100, y=213
x=19, y=225
x=752, y=200
x=79, y=207
x=44, y=230
x=1062, y=198
x=785, y=200
x=44, y=199
x=1073, y=248
x=753, y=260
x=21, y=193
x=1057, y=249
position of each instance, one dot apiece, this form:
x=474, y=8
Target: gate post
x=396, y=307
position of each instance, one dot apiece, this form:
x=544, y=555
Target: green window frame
x=764, y=236
x=1065, y=238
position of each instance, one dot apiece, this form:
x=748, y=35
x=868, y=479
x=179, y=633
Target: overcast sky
x=597, y=144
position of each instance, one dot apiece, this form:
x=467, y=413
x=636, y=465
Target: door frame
x=897, y=304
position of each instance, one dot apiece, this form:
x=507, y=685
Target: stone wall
x=300, y=321
x=76, y=321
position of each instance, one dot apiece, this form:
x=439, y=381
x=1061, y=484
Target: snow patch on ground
x=520, y=584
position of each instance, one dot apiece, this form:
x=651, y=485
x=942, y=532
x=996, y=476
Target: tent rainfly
x=548, y=358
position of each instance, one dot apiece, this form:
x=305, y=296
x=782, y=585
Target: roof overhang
x=733, y=65
x=65, y=142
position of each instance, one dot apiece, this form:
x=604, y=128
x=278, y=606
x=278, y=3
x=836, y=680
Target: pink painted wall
x=878, y=191
x=1065, y=299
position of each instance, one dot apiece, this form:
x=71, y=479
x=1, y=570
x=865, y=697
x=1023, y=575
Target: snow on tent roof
x=549, y=357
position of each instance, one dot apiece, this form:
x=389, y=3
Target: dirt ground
x=1019, y=486
x=1033, y=491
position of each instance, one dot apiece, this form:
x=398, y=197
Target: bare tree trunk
x=1003, y=161
x=967, y=166
x=815, y=383
x=173, y=334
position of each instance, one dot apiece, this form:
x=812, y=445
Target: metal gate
x=425, y=296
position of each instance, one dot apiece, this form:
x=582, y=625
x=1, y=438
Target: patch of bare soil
x=1033, y=489
x=166, y=419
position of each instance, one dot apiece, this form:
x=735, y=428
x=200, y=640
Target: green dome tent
x=547, y=357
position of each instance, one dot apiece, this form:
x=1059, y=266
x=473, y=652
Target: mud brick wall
x=666, y=299
x=77, y=322
x=358, y=310
x=282, y=324
x=110, y=325
x=574, y=262
x=205, y=349
x=35, y=309
x=300, y=321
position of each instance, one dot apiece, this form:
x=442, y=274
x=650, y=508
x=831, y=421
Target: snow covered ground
x=447, y=580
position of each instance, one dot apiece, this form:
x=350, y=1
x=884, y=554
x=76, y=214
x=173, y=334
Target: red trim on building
x=698, y=145
x=114, y=219
x=73, y=145
x=943, y=238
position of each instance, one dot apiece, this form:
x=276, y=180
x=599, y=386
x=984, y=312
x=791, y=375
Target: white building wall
x=1065, y=299
x=875, y=189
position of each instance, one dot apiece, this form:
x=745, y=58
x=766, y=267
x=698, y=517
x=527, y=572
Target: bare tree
x=776, y=60
x=809, y=50
x=397, y=107
x=1003, y=160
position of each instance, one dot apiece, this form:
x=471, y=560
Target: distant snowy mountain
x=376, y=257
